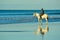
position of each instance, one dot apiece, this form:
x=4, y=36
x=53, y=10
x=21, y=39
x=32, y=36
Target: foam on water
x=23, y=16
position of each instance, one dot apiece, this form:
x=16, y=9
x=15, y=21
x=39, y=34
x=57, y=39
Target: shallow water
x=27, y=31
x=26, y=16
x=21, y=25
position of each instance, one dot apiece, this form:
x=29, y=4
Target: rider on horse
x=42, y=12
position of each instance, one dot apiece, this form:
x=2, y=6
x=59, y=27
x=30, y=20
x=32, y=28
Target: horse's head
x=35, y=14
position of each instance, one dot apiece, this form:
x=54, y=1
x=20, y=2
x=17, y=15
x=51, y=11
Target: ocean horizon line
x=33, y=9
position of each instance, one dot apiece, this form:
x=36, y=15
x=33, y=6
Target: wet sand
x=26, y=31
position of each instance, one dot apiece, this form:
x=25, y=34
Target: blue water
x=25, y=31
x=23, y=16
x=26, y=25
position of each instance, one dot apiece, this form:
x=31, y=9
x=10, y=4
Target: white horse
x=40, y=17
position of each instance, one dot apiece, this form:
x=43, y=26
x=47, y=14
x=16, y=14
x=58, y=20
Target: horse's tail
x=47, y=18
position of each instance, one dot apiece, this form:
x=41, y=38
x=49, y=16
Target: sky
x=29, y=4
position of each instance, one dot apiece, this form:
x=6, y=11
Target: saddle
x=41, y=15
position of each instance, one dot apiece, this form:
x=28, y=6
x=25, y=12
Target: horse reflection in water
x=40, y=17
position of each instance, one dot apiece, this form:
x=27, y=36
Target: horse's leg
x=38, y=29
x=46, y=21
x=47, y=25
x=38, y=22
x=41, y=22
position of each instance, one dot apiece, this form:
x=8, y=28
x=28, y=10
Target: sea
x=25, y=16
x=21, y=25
